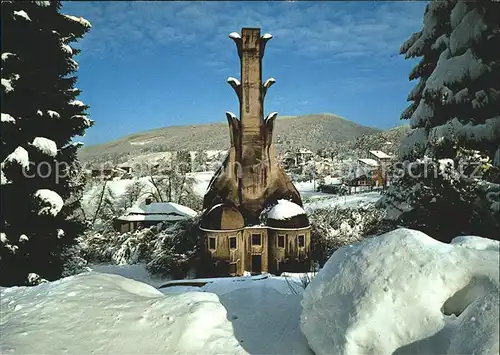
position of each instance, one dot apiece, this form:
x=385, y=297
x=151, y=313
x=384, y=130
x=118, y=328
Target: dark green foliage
x=41, y=76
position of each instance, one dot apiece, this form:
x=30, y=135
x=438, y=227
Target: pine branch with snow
x=38, y=164
x=455, y=118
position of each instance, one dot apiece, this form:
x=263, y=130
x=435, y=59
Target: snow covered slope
x=406, y=293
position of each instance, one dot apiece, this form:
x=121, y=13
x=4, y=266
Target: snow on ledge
x=234, y=35
x=233, y=80
x=285, y=209
x=269, y=82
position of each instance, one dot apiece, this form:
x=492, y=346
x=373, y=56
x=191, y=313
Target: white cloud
x=310, y=29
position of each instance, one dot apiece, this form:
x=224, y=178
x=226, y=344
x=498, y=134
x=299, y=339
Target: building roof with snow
x=305, y=151
x=380, y=154
x=161, y=211
x=370, y=162
x=286, y=214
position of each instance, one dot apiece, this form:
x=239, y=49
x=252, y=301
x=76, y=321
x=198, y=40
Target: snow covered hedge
x=438, y=199
x=406, y=293
x=167, y=249
x=333, y=228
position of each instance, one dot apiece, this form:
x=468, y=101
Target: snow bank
x=48, y=202
x=404, y=292
x=264, y=310
x=45, y=146
x=109, y=314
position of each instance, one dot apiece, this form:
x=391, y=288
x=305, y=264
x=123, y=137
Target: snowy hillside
x=312, y=131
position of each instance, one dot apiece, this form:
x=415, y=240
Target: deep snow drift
x=406, y=293
x=399, y=293
x=109, y=314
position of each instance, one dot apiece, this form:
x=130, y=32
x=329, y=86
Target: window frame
x=260, y=239
x=280, y=237
x=214, y=238
x=235, y=242
x=303, y=241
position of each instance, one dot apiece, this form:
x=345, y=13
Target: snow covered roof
x=305, y=151
x=161, y=211
x=332, y=180
x=370, y=162
x=379, y=154
x=285, y=209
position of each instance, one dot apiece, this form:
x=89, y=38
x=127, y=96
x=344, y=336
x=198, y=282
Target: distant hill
x=317, y=131
x=386, y=141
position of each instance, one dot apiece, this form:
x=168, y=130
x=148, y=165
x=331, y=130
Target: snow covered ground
x=135, y=272
x=406, y=293
x=342, y=201
x=401, y=293
x=306, y=189
x=108, y=314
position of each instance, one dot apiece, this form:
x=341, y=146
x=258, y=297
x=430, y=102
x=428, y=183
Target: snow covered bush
x=175, y=251
x=404, y=292
x=40, y=116
x=455, y=117
x=443, y=203
x=333, y=228
x=166, y=249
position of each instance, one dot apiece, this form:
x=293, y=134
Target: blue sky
x=154, y=64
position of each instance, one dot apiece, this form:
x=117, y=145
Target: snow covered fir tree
x=40, y=117
x=449, y=182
